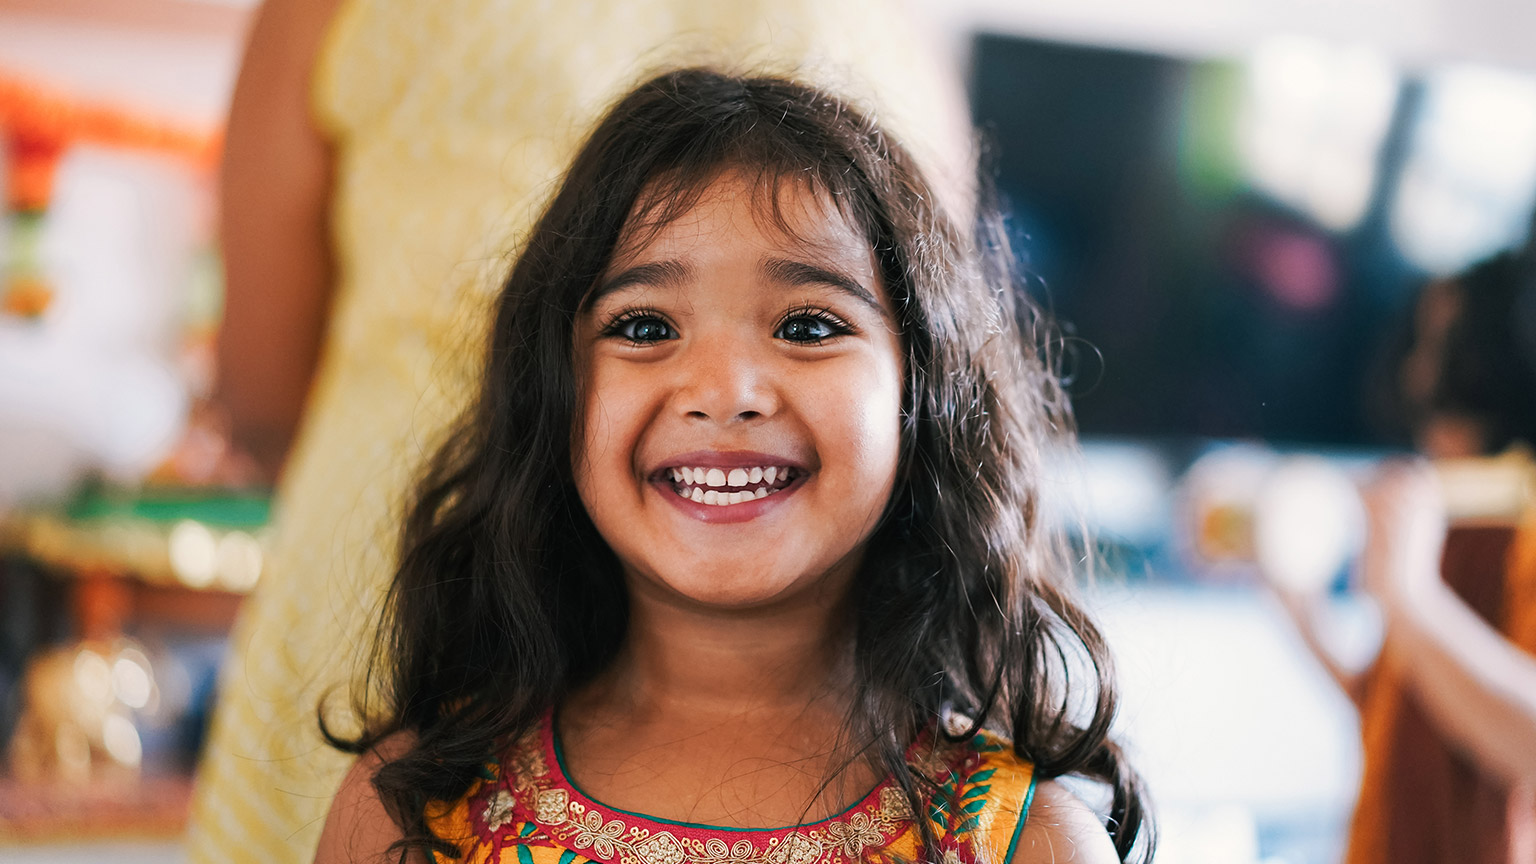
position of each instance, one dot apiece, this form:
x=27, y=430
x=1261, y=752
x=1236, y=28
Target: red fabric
x=1421, y=802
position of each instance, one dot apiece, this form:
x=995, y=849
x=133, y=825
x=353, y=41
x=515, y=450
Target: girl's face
x=741, y=392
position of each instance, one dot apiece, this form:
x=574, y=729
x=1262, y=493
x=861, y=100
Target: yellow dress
x=526, y=810
x=451, y=122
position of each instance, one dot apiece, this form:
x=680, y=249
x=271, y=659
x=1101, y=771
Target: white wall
x=174, y=60
x=1497, y=32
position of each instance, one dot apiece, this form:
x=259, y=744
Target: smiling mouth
x=723, y=487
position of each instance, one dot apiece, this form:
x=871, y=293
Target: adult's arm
x=275, y=193
x=1303, y=611
x=1478, y=687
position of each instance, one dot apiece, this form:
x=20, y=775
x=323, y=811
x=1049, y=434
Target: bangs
x=672, y=195
x=781, y=144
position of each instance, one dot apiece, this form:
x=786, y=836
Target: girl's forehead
x=790, y=238
x=734, y=206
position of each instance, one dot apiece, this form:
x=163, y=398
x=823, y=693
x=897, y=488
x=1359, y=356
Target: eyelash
x=615, y=326
x=838, y=327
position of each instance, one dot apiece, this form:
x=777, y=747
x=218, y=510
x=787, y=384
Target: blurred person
x=1466, y=385
x=1448, y=707
x=381, y=160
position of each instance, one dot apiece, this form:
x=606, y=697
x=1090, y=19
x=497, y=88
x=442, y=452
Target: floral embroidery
x=859, y=831
x=593, y=831
x=545, y=810
x=499, y=811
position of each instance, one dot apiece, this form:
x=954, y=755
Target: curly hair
x=506, y=598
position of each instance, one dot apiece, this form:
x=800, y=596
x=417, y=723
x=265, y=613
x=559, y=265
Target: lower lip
x=721, y=514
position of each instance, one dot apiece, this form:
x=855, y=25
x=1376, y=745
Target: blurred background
x=1231, y=206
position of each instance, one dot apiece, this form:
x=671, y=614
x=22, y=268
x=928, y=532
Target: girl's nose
x=727, y=382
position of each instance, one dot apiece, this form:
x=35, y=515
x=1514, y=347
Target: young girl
x=743, y=531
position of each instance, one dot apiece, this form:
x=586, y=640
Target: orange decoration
x=26, y=297
x=39, y=124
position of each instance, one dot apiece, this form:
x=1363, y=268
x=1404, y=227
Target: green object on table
x=223, y=508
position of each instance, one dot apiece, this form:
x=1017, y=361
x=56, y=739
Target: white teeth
x=697, y=480
x=720, y=498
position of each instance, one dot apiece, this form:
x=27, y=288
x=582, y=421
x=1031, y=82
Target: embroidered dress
x=527, y=811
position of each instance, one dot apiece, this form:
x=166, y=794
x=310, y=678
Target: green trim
x=554, y=734
x=1018, y=830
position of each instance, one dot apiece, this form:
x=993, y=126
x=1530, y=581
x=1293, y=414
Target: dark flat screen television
x=1193, y=304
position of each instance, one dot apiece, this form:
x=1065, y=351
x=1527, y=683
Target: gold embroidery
x=549, y=806
x=839, y=841
x=796, y=849
x=714, y=851
x=662, y=848
x=859, y=831
x=894, y=802
x=593, y=831
x=609, y=838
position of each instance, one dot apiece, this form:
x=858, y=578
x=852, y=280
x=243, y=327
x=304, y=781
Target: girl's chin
x=727, y=586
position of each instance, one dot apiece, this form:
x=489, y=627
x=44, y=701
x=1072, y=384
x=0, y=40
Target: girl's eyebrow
x=659, y=273
x=792, y=272
x=672, y=273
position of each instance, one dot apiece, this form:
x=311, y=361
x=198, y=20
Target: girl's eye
x=810, y=327
x=641, y=328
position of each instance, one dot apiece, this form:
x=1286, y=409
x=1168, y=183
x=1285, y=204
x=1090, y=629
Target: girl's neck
x=733, y=718
x=682, y=660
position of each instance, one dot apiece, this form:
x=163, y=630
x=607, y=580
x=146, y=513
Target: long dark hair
x=506, y=598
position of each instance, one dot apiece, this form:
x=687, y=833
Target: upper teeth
x=736, y=478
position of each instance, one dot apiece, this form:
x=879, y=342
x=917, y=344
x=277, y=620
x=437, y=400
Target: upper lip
x=724, y=459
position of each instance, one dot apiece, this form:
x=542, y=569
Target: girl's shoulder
x=358, y=826
x=1062, y=828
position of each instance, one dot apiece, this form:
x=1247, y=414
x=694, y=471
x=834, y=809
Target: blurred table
x=155, y=576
